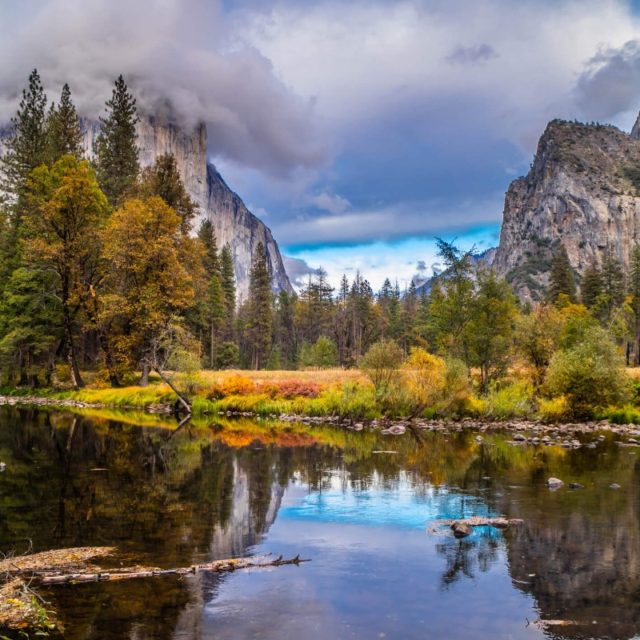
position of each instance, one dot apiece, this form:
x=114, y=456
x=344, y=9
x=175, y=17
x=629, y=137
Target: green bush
x=381, y=365
x=323, y=354
x=590, y=374
x=513, y=400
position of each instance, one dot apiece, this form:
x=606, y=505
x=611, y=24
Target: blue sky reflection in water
x=376, y=572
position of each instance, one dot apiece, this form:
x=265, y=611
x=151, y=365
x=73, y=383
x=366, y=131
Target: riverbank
x=336, y=396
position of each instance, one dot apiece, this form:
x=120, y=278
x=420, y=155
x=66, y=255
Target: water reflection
x=218, y=490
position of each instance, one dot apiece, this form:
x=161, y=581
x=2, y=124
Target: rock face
x=233, y=222
x=582, y=192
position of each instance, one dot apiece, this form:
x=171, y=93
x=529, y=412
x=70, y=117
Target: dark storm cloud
x=175, y=54
x=611, y=82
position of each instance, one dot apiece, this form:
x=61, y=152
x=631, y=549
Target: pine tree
x=228, y=281
x=634, y=292
x=27, y=148
x=63, y=129
x=591, y=286
x=163, y=180
x=561, y=279
x=260, y=318
x=116, y=150
x=214, y=304
x=612, y=285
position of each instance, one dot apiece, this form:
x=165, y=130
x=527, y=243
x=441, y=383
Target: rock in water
x=615, y=485
x=461, y=529
x=554, y=483
x=581, y=192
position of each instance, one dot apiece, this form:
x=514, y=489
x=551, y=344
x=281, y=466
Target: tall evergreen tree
x=163, y=180
x=634, y=292
x=561, y=279
x=63, y=129
x=591, y=286
x=116, y=150
x=260, y=314
x=27, y=147
x=612, y=286
x=228, y=281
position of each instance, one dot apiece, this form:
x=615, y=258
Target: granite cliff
x=233, y=222
x=582, y=191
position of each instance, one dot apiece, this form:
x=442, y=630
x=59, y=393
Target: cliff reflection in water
x=211, y=491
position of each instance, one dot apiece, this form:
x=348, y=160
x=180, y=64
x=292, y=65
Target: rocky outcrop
x=233, y=222
x=581, y=192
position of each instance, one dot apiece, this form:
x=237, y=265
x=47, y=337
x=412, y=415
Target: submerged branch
x=218, y=566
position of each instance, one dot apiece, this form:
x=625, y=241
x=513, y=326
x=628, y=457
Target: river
x=360, y=505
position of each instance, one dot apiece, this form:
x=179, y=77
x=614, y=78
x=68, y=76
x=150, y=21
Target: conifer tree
x=27, y=148
x=214, y=305
x=228, y=281
x=634, y=292
x=612, y=285
x=116, y=150
x=260, y=318
x=63, y=129
x=561, y=279
x=163, y=180
x=591, y=286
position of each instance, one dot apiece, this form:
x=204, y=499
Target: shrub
x=234, y=385
x=457, y=393
x=323, y=354
x=381, y=364
x=554, y=409
x=424, y=379
x=591, y=374
x=509, y=401
x=289, y=389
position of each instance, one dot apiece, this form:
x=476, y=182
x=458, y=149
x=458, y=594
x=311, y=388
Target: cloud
x=610, y=84
x=298, y=270
x=421, y=266
x=329, y=202
x=472, y=55
x=390, y=222
x=176, y=55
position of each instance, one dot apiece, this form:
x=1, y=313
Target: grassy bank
x=344, y=394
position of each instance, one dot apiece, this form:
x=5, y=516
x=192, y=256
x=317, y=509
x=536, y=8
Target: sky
x=358, y=131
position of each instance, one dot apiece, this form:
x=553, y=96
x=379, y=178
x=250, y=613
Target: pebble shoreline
x=525, y=431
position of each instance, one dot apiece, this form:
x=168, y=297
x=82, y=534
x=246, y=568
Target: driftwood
x=465, y=524
x=19, y=603
x=181, y=399
x=126, y=573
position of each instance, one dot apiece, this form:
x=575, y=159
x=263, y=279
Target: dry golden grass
x=319, y=376
x=634, y=373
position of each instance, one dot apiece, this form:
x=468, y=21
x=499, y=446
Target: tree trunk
x=144, y=379
x=183, y=401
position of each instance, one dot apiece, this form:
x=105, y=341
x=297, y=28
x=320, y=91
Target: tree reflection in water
x=212, y=490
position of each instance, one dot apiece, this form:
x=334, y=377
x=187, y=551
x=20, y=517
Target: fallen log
x=128, y=573
x=460, y=524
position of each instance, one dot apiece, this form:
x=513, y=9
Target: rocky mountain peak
x=582, y=191
x=233, y=222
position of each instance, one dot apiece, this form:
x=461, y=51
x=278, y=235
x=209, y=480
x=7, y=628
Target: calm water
x=227, y=489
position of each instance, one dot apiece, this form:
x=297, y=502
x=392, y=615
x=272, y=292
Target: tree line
x=100, y=271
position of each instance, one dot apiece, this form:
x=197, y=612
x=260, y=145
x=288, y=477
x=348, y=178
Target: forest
x=105, y=280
